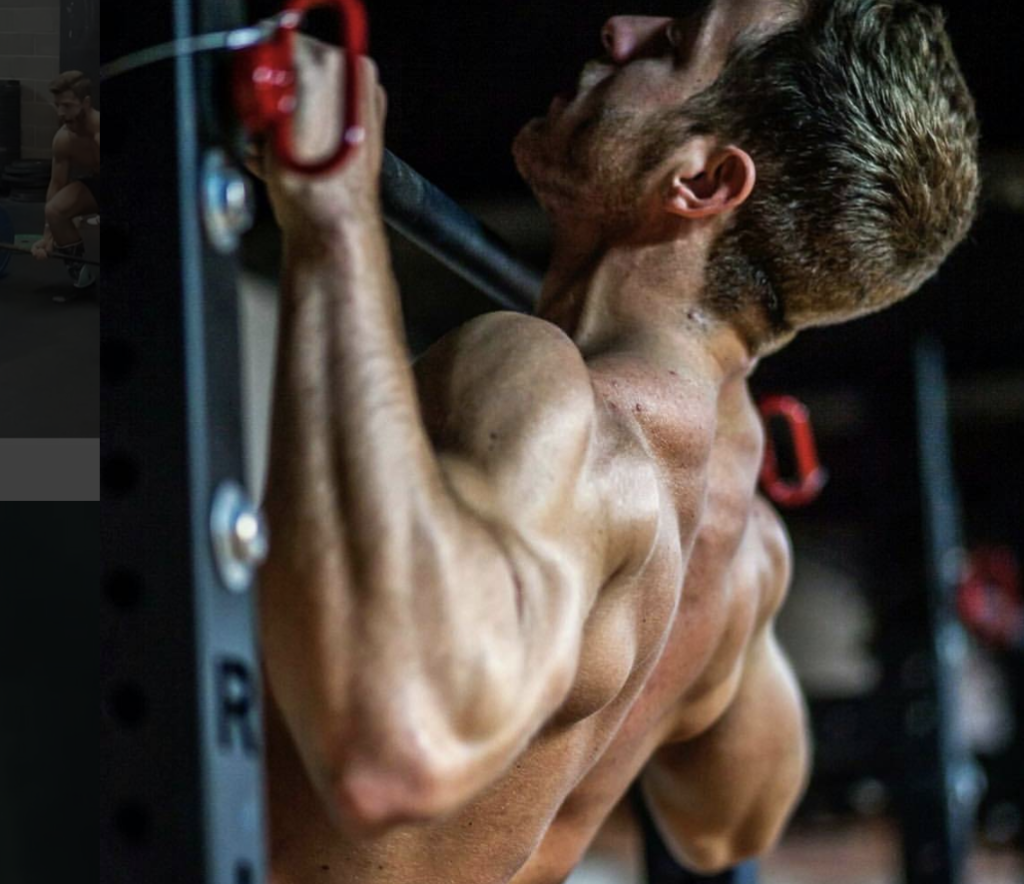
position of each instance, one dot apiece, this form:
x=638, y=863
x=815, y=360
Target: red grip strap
x=264, y=84
x=810, y=477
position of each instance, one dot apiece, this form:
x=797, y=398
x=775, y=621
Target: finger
x=320, y=80
x=371, y=98
x=321, y=84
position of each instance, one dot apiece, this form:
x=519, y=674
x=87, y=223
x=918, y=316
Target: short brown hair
x=72, y=81
x=864, y=137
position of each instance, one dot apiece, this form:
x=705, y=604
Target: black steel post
x=918, y=547
x=181, y=788
x=937, y=843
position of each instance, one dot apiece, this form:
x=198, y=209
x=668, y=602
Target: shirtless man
x=77, y=143
x=506, y=583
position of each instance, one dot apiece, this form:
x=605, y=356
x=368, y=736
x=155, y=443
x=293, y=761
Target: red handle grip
x=810, y=476
x=265, y=81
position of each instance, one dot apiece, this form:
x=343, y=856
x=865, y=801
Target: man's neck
x=644, y=298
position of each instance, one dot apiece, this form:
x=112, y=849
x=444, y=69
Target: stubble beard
x=590, y=171
x=539, y=164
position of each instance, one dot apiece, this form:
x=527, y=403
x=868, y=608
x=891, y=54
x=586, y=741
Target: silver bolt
x=249, y=538
x=227, y=202
x=239, y=537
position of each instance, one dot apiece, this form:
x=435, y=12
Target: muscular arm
x=418, y=630
x=724, y=796
x=60, y=169
x=422, y=608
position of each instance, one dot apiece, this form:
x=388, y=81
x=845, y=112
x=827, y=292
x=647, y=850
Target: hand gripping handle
x=265, y=82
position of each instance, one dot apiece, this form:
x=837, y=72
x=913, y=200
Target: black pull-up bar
x=432, y=220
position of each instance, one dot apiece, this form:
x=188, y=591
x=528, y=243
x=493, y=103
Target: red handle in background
x=265, y=82
x=989, y=599
x=810, y=477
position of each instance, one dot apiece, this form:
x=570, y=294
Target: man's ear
x=710, y=183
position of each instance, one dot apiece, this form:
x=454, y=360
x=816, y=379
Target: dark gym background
x=49, y=357
x=49, y=547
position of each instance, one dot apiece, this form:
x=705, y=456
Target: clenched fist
x=303, y=203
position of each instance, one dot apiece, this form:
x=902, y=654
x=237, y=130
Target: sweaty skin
x=509, y=581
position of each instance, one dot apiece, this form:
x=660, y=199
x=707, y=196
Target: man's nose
x=627, y=36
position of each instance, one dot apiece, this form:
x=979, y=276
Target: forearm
x=726, y=795
x=345, y=387
x=392, y=635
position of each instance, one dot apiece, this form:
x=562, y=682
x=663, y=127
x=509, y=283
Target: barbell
x=8, y=248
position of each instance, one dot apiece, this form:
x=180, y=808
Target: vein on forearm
x=382, y=463
x=355, y=418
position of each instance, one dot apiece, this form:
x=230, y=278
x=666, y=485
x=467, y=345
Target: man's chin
x=529, y=136
x=527, y=149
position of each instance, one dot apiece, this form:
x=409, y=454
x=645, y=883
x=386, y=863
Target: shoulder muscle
x=60, y=145
x=509, y=392
x=509, y=403
x=498, y=366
